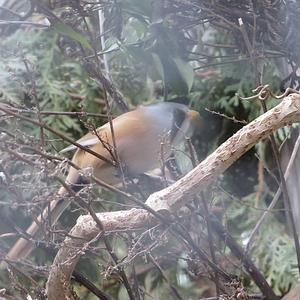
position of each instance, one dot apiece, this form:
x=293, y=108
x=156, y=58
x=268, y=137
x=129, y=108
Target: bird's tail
x=23, y=247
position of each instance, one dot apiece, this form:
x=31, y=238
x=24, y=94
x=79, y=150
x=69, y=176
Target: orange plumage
x=138, y=136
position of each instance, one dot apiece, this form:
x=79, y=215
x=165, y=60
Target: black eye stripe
x=178, y=119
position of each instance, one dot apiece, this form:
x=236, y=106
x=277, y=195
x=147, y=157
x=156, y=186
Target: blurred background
x=205, y=54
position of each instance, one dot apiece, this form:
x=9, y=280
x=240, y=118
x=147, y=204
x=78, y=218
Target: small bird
x=140, y=136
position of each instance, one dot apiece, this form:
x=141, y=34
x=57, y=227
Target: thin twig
x=237, y=250
x=208, y=223
x=102, y=40
x=27, y=23
x=286, y=197
x=276, y=197
x=164, y=276
x=58, y=113
x=104, y=238
x=90, y=286
x=62, y=136
x=227, y=117
x=99, y=71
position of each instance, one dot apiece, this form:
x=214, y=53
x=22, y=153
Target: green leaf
x=175, y=72
x=68, y=31
x=186, y=71
x=158, y=65
x=137, y=7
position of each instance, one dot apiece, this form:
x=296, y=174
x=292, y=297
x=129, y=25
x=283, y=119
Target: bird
x=139, y=136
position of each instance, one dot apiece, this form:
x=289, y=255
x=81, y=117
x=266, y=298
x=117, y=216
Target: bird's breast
x=145, y=151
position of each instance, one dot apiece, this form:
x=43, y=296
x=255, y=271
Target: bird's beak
x=195, y=119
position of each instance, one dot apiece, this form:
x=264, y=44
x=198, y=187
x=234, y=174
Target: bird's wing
x=86, y=143
x=90, y=139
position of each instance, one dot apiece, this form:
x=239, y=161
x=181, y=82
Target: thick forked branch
x=171, y=198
